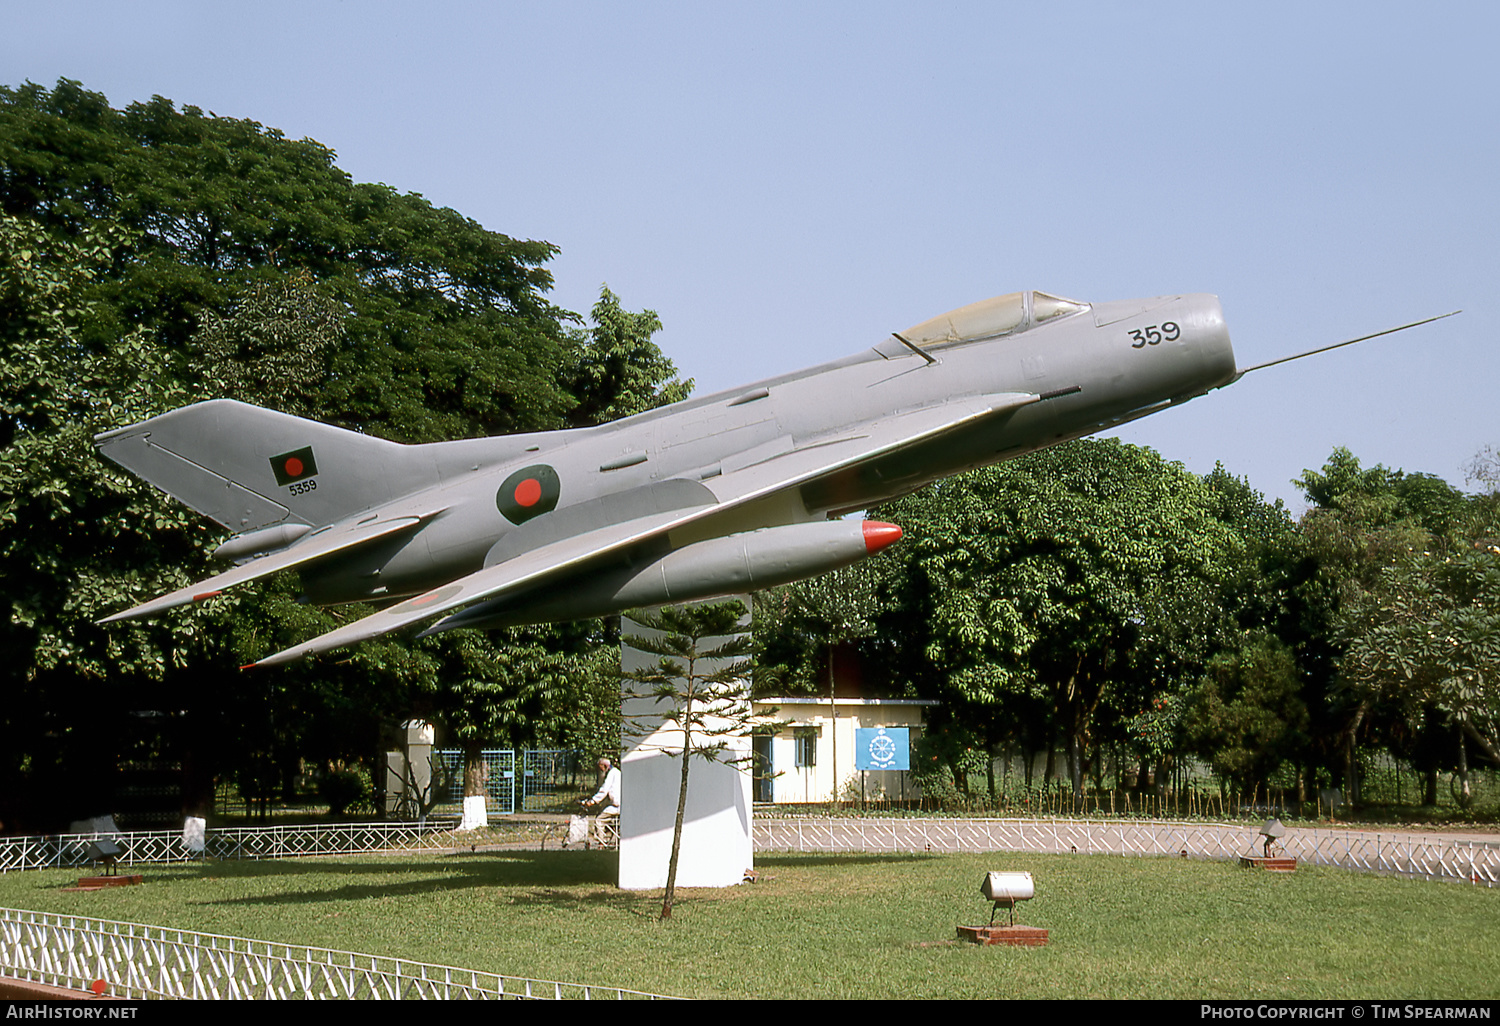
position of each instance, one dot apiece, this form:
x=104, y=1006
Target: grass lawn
x=847, y=926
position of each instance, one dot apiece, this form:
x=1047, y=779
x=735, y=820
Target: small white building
x=815, y=745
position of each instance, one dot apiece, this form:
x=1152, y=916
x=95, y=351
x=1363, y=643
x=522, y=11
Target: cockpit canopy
x=991, y=318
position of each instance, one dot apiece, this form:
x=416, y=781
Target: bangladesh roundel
x=528, y=493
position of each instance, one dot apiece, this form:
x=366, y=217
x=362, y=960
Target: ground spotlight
x=1005, y=890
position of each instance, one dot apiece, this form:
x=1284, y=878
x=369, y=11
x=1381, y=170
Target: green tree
x=275, y=346
x=449, y=334
x=70, y=529
x=799, y=628
x=487, y=691
x=1050, y=597
x=699, y=689
x=156, y=256
x=1397, y=554
x=519, y=688
x=617, y=370
x=1277, y=590
x=1429, y=637
x=1246, y=715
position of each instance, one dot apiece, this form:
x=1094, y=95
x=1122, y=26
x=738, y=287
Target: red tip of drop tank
x=879, y=535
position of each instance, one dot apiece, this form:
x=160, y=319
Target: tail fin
x=249, y=468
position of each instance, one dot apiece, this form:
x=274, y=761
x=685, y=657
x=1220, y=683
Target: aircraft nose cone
x=1215, y=351
x=879, y=535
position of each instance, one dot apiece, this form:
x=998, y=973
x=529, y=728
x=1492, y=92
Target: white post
x=417, y=773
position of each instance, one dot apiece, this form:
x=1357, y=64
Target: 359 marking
x=1152, y=335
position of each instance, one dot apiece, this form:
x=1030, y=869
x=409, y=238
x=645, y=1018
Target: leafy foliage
x=155, y=256
x=798, y=626
x=617, y=370
x=274, y=347
x=448, y=335
x=1051, y=590
x=1410, y=610
x=1428, y=637
x=1246, y=715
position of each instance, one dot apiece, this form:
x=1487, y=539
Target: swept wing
x=813, y=459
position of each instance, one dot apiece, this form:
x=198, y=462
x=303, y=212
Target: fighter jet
x=735, y=491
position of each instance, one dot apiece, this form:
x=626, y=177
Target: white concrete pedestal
x=716, y=839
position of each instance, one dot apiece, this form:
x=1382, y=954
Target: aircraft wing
x=313, y=546
x=524, y=571
x=799, y=465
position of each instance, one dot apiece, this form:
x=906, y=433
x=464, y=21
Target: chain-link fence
x=539, y=780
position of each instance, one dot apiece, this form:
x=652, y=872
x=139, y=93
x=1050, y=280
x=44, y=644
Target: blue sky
x=788, y=183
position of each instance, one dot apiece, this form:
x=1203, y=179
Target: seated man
x=608, y=796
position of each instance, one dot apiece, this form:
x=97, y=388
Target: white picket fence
x=1402, y=854
x=1412, y=855
x=1415, y=855
x=136, y=961
x=59, y=851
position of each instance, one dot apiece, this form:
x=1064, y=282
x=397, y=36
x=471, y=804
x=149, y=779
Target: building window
x=806, y=740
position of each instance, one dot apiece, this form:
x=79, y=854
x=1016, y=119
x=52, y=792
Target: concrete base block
x=98, y=883
x=1016, y=936
x=1277, y=864
x=716, y=842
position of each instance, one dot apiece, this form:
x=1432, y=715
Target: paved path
x=1404, y=834
x=1469, y=858
x=1445, y=855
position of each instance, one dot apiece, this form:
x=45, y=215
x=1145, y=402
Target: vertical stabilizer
x=249, y=468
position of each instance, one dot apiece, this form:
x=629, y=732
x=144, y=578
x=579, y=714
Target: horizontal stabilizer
x=315, y=546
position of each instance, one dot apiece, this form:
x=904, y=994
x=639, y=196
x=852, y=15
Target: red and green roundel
x=528, y=493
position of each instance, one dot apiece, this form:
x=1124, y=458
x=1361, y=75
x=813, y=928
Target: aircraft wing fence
x=1413, y=855
x=141, y=962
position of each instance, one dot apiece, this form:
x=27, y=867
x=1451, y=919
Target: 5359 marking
x=1151, y=335
x=298, y=487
